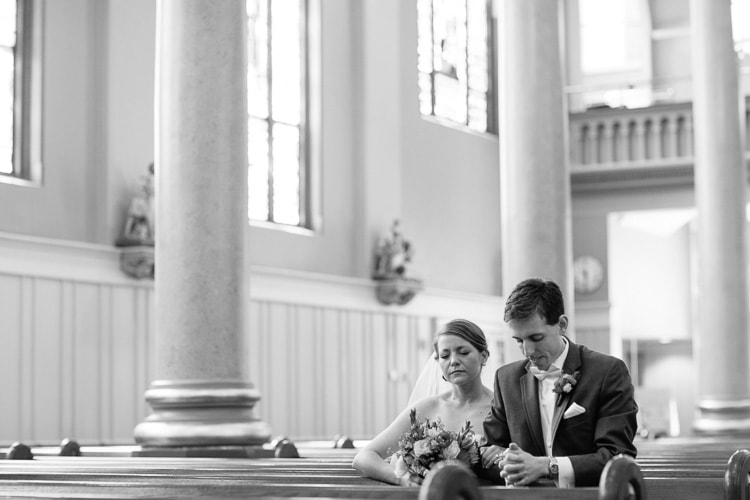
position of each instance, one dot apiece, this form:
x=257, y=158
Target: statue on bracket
x=139, y=225
x=392, y=255
x=138, y=236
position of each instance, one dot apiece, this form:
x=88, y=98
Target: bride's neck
x=463, y=395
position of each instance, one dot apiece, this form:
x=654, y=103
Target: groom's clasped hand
x=516, y=467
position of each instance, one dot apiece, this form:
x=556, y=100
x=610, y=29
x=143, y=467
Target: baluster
x=688, y=135
x=590, y=145
x=602, y=143
x=618, y=142
x=575, y=145
x=680, y=139
x=632, y=135
x=667, y=141
x=584, y=144
x=649, y=139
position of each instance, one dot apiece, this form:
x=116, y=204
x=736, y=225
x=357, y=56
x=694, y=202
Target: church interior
x=409, y=163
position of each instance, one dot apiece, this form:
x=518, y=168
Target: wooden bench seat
x=318, y=473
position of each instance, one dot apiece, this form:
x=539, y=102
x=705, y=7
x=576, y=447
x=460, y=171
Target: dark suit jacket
x=590, y=439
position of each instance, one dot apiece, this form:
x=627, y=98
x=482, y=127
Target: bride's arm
x=370, y=460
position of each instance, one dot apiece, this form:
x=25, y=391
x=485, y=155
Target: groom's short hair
x=535, y=295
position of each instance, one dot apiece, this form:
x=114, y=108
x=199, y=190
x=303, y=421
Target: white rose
x=451, y=451
x=400, y=468
x=422, y=447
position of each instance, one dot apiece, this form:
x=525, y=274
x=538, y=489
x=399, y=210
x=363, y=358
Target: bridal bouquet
x=428, y=442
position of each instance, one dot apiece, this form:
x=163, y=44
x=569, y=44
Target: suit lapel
x=571, y=365
x=530, y=397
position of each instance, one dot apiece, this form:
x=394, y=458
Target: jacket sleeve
x=614, y=428
x=496, y=424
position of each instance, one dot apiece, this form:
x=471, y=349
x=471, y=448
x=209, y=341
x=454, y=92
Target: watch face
x=588, y=273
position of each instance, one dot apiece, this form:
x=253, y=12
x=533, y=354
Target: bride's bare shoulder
x=431, y=405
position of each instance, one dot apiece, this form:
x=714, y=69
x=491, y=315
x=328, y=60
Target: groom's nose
x=528, y=348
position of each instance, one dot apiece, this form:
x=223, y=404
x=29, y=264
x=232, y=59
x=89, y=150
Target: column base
x=202, y=415
x=717, y=418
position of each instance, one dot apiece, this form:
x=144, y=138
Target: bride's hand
x=492, y=455
x=409, y=479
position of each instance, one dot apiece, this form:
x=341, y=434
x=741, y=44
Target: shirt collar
x=560, y=361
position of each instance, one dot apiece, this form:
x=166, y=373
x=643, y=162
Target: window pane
x=424, y=55
x=276, y=60
x=7, y=42
x=453, y=51
x=285, y=53
x=603, y=35
x=741, y=25
x=286, y=174
x=257, y=54
x=258, y=169
x=7, y=23
x=450, y=98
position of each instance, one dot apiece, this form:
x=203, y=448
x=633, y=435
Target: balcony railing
x=633, y=147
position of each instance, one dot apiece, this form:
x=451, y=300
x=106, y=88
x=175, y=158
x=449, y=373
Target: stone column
x=721, y=339
x=534, y=160
x=201, y=400
x=378, y=181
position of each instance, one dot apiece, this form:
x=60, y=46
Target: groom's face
x=539, y=342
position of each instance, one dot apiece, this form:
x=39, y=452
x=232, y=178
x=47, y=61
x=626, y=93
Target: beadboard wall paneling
x=328, y=359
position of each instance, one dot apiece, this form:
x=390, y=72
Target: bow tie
x=553, y=372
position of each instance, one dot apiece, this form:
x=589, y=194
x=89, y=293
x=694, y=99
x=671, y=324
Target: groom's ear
x=563, y=323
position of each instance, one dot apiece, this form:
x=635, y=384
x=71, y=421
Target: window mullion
x=271, y=121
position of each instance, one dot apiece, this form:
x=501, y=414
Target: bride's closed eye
x=446, y=355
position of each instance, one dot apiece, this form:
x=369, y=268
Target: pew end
x=736, y=477
x=448, y=480
x=621, y=479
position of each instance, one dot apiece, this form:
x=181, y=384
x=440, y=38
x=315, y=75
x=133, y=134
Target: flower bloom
x=422, y=447
x=400, y=468
x=452, y=450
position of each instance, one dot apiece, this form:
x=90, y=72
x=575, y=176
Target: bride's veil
x=430, y=382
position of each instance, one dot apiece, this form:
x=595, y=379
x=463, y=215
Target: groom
x=563, y=412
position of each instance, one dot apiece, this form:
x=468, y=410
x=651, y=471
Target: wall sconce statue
x=392, y=255
x=138, y=236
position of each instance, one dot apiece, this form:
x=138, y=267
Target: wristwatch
x=554, y=469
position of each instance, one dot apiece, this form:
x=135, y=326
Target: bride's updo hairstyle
x=465, y=329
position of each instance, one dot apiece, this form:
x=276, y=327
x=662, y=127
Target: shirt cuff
x=567, y=476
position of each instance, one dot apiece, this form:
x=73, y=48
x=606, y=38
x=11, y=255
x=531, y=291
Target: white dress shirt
x=547, y=402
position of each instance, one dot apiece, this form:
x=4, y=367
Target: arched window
x=278, y=174
x=455, y=67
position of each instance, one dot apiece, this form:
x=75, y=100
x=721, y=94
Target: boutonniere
x=565, y=384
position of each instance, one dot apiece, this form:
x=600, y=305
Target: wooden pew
x=694, y=467
x=317, y=473
x=696, y=472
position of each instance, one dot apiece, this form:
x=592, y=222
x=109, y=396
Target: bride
x=460, y=352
